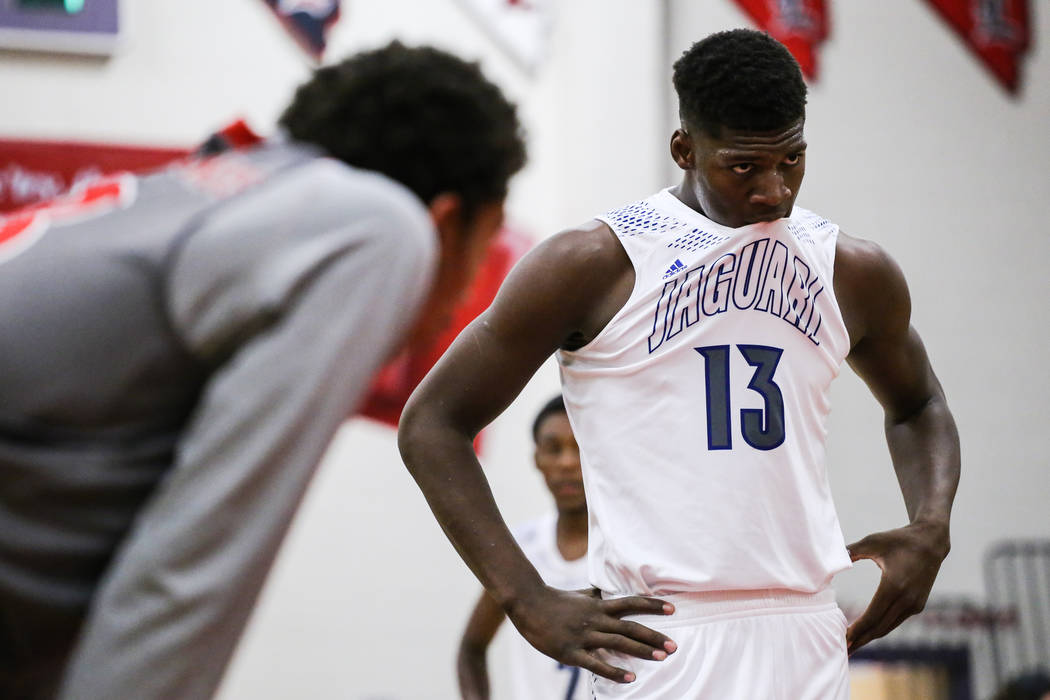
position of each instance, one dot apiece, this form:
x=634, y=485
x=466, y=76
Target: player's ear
x=446, y=211
x=682, y=149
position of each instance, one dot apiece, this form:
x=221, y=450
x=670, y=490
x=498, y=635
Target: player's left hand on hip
x=573, y=626
x=910, y=558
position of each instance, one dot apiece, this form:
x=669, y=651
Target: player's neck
x=572, y=534
x=685, y=192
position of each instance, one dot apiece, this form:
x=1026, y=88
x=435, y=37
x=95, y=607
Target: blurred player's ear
x=451, y=278
x=682, y=149
x=464, y=235
x=446, y=211
x=463, y=242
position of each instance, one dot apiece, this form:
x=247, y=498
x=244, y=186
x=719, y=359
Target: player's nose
x=770, y=190
x=569, y=460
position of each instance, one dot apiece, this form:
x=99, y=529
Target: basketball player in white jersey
x=555, y=543
x=698, y=332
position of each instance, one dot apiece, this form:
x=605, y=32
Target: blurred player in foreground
x=556, y=544
x=177, y=350
x=698, y=332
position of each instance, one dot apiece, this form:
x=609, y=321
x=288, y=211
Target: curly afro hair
x=741, y=79
x=416, y=114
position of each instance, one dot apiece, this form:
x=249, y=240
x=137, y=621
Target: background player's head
x=558, y=456
x=1029, y=686
x=433, y=122
x=742, y=105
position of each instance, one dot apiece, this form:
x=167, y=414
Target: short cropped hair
x=555, y=405
x=419, y=115
x=1029, y=686
x=741, y=79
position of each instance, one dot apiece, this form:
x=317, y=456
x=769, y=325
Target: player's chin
x=570, y=503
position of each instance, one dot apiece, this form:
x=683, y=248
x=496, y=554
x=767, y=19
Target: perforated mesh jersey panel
x=641, y=218
x=697, y=239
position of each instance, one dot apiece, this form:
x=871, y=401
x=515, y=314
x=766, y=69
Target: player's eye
x=743, y=168
x=793, y=159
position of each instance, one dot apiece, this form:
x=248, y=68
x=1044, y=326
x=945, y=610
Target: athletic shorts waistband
x=732, y=603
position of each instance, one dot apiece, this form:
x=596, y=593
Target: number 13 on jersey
x=761, y=428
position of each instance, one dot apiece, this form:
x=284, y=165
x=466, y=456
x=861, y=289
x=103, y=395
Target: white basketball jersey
x=535, y=676
x=701, y=408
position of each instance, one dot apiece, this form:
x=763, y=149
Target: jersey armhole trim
x=621, y=311
x=833, y=256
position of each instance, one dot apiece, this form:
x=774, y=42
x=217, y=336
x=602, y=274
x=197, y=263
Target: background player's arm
x=889, y=356
x=554, y=296
x=471, y=666
x=301, y=331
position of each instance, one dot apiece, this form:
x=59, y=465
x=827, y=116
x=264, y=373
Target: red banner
x=33, y=171
x=996, y=31
x=800, y=25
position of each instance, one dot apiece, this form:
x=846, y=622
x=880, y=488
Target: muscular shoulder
x=577, y=279
x=870, y=286
x=297, y=206
x=247, y=262
x=336, y=192
x=589, y=247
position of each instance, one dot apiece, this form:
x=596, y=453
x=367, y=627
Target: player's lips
x=573, y=488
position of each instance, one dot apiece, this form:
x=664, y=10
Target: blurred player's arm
x=471, y=666
x=553, y=297
x=298, y=330
x=889, y=356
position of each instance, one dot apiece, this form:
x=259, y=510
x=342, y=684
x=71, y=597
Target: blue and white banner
x=308, y=21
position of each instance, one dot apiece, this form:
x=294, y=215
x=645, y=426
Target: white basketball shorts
x=741, y=645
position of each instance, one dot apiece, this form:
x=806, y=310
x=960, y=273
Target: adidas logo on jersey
x=674, y=269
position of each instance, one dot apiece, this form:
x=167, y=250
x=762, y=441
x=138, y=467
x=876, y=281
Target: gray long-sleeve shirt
x=173, y=363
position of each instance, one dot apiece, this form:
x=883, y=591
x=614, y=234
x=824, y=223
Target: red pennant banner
x=997, y=31
x=308, y=21
x=34, y=171
x=800, y=25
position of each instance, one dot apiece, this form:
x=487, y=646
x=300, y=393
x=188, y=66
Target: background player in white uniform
x=697, y=334
x=177, y=350
x=556, y=544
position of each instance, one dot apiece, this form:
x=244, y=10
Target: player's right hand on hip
x=572, y=626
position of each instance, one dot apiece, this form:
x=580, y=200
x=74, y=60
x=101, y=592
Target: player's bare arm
x=887, y=353
x=471, y=665
x=560, y=295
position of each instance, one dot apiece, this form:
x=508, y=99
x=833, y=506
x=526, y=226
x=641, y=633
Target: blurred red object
x=396, y=381
x=997, y=32
x=801, y=25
